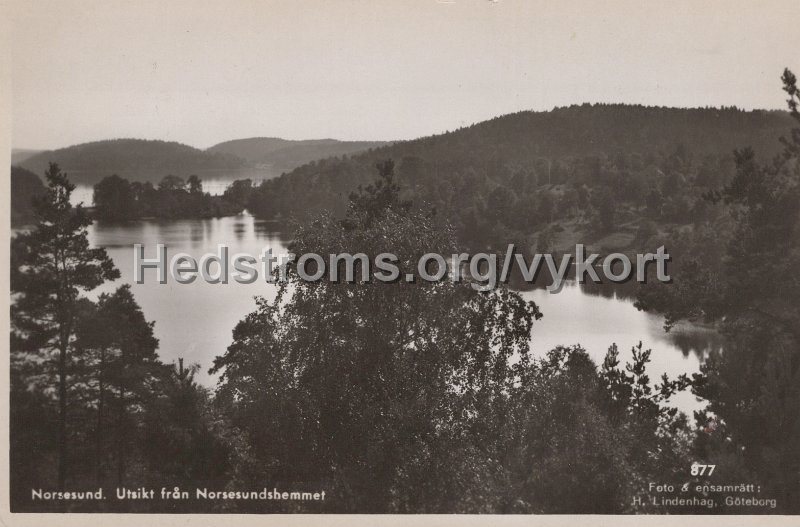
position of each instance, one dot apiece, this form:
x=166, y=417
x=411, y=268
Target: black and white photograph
x=307, y=258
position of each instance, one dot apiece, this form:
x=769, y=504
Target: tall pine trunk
x=63, y=349
x=121, y=438
x=100, y=408
x=62, y=415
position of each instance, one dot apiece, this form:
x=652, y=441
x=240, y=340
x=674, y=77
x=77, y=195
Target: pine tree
x=115, y=343
x=51, y=265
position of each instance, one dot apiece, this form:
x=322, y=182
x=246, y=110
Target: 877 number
x=702, y=470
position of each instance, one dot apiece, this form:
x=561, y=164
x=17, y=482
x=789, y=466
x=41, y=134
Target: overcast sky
x=201, y=72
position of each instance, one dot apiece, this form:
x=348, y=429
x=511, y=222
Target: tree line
x=117, y=199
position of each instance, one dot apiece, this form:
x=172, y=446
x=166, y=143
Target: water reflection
x=242, y=229
x=195, y=321
x=697, y=340
x=596, y=321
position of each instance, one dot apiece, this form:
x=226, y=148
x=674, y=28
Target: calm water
x=195, y=321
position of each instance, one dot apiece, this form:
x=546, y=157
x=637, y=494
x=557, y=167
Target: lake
x=195, y=321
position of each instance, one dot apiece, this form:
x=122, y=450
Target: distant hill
x=135, y=159
x=252, y=150
x=25, y=185
x=506, y=177
x=284, y=154
x=147, y=160
x=18, y=155
x=603, y=129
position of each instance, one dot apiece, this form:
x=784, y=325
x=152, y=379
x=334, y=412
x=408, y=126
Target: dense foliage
x=91, y=403
x=423, y=397
x=117, y=199
x=748, y=285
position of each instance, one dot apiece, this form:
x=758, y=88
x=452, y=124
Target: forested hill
x=609, y=129
x=25, y=186
x=147, y=160
x=509, y=176
x=18, y=155
x=136, y=159
x=284, y=154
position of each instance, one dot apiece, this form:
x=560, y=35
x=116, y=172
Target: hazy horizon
x=205, y=147
x=87, y=71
